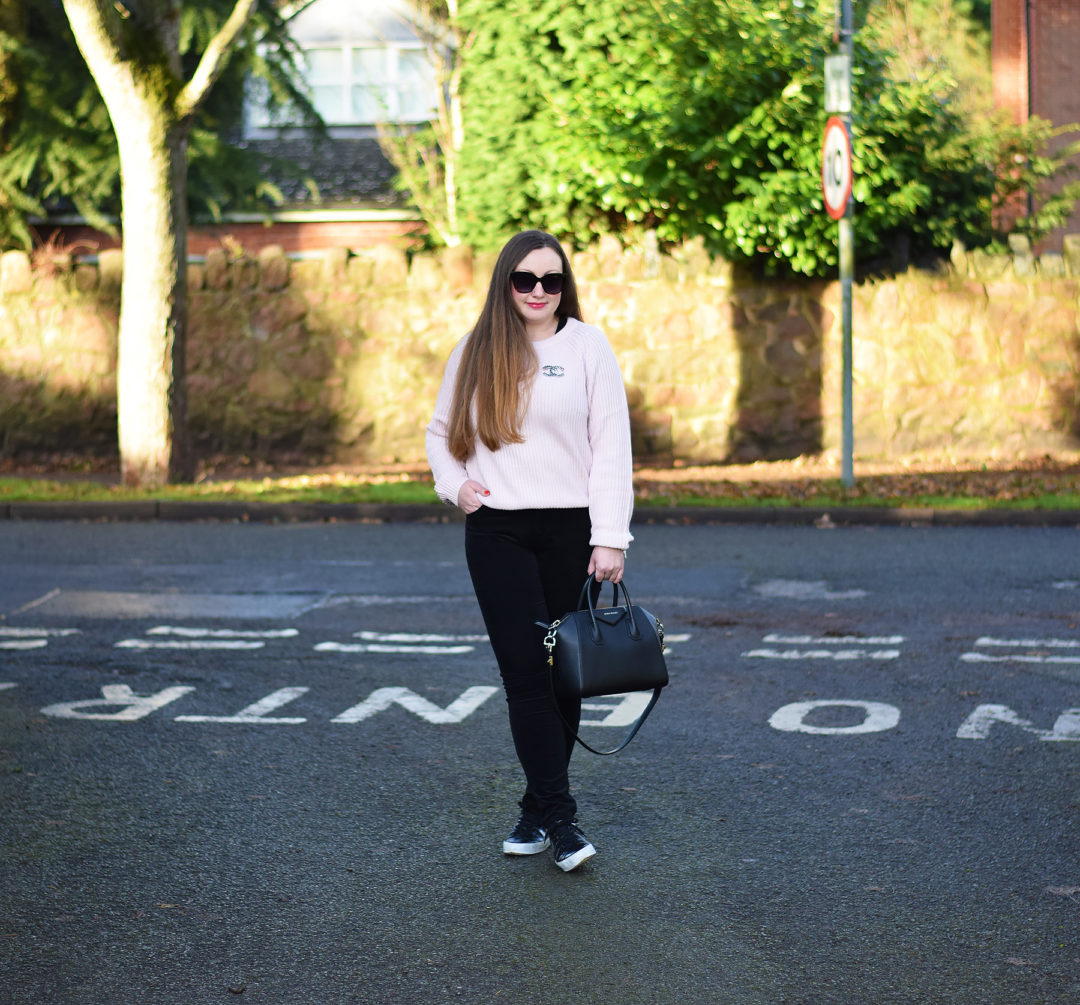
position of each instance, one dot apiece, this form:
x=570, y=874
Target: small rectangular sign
x=838, y=84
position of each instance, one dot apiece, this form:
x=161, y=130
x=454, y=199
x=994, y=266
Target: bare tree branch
x=213, y=59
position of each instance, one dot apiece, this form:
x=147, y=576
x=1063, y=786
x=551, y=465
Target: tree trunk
x=134, y=56
x=151, y=363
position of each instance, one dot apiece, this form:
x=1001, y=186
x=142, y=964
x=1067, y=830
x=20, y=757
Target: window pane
x=329, y=101
x=415, y=105
x=370, y=65
x=325, y=66
x=369, y=104
x=413, y=65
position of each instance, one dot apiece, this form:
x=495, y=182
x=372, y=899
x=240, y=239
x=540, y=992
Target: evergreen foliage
x=57, y=148
x=704, y=119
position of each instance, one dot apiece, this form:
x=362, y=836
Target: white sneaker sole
x=514, y=848
x=571, y=862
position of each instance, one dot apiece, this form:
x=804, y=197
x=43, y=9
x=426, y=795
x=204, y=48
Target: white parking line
x=1017, y=658
x=1042, y=650
x=411, y=637
x=12, y=638
x=833, y=640
x=838, y=655
x=191, y=644
x=839, y=648
x=223, y=633
x=987, y=640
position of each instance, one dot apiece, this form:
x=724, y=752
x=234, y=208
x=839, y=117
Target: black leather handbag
x=606, y=650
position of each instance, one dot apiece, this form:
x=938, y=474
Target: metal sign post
x=836, y=182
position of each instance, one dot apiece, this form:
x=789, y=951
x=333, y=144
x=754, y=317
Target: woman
x=531, y=439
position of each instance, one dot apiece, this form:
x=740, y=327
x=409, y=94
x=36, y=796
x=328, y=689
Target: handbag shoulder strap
x=629, y=736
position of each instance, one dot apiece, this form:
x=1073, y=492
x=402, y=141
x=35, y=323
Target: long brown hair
x=498, y=359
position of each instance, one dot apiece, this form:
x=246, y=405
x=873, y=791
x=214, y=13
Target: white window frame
x=261, y=123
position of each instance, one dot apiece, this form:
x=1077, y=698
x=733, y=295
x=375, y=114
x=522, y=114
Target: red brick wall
x=295, y=236
x=1008, y=54
x=1049, y=87
x=1055, y=74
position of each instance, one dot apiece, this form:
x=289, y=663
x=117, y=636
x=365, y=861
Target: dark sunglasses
x=525, y=282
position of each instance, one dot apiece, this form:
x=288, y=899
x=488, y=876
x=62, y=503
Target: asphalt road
x=270, y=764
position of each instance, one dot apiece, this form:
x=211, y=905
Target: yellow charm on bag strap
x=549, y=641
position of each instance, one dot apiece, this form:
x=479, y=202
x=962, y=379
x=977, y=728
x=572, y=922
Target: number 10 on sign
x=836, y=167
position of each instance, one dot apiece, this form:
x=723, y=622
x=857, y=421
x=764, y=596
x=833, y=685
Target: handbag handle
x=585, y=600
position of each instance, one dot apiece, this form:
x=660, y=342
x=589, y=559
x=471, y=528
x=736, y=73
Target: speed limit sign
x=836, y=167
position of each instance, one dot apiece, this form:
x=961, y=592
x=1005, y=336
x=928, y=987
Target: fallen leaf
x=1015, y=961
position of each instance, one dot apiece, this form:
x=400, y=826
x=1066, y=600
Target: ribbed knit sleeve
x=611, y=474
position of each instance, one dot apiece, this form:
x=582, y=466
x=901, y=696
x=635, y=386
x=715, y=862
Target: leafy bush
x=705, y=119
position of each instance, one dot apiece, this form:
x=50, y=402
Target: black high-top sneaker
x=527, y=838
x=570, y=845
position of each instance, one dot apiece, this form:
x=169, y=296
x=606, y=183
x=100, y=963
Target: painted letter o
x=879, y=717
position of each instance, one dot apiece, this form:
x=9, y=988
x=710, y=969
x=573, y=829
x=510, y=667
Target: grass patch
x=1038, y=484
x=299, y=489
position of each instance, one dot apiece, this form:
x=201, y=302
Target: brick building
x=1036, y=65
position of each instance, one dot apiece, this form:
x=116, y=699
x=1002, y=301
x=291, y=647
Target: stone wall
x=340, y=356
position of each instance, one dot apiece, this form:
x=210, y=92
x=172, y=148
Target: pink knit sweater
x=576, y=449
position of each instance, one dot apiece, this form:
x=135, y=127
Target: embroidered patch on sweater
x=552, y=371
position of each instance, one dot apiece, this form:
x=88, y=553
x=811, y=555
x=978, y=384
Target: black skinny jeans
x=529, y=566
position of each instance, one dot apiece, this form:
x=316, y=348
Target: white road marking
x=833, y=640
x=192, y=644
x=44, y=598
x=987, y=640
x=259, y=712
x=112, y=604
x=838, y=655
x=878, y=718
x=798, y=589
x=4, y=687
x=625, y=713
x=30, y=638
x=133, y=706
x=380, y=647
x=1017, y=658
x=223, y=633
x=977, y=725
x=377, y=600
x=382, y=698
